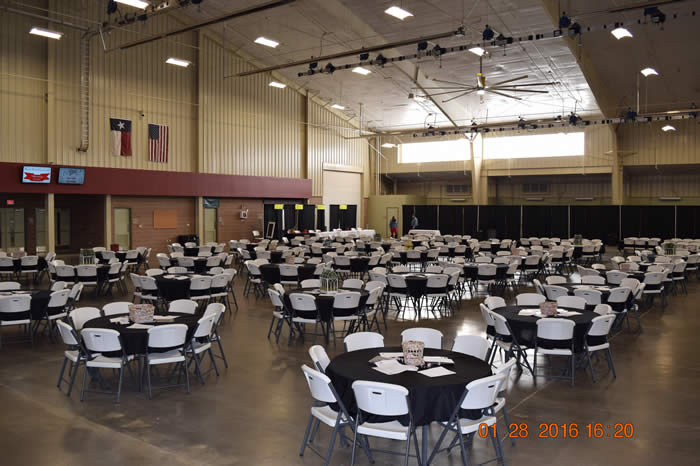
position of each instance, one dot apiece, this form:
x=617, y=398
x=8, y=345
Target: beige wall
x=217, y=125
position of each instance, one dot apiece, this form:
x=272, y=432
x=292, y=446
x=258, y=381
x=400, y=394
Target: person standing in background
x=414, y=222
x=394, y=227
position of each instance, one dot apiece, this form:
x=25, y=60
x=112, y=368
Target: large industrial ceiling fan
x=502, y=88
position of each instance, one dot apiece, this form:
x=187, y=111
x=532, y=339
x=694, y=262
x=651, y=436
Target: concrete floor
x=256, y=411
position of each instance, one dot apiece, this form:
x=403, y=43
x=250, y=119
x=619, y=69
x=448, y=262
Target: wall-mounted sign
x=320, y=207
x=10, y=202
x=343, y=207
x=298, y=206
x=279, y=206
x=210, y=202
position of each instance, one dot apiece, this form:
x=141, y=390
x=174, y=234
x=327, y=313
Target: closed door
x=122, y=227
x=390, y=212
x=210, y=216
x=63, y=227
x=41, y=232
x=12, y=229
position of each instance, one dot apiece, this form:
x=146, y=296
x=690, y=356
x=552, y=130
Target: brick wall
x=142, y=231
x=87, y=221
x=231, y=226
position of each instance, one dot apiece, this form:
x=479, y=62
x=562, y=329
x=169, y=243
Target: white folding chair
x=183, y=306
x=54, y=310
x=75, y=354
x=430, y=337
x=116, y=308
x=473, y=345
x=101, y=340
x=319, y=357
x=15, y=310
x=597, y=340
x=201, y=343
x=80, y=315
x=574, y=302
x=555, y=337
x=159, y=338
x=363, y=340
x=529, y=299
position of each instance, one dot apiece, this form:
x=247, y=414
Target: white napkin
x=164, y=318
x=528, y=312
x=120, y=320
x=567, y=313
x=438, y=359
x=438, y=371
x=180, y=277
x=140, y=326
x=392, y=367
x=391, y=355
x=168, y=276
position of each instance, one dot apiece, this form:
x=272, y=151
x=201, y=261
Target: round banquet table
x=17, y=264
x=404, y=257
x=324, y=303
x=275, y=256
x=200, y=264
x=525, y=327
x=171, y=289
x=193, y=252
x=135, y=340
x=432, y=399
x=271, y=272
x=639, y=275
x=40, y=299
x=471, y=270
x=604, y=289
x=359, y=264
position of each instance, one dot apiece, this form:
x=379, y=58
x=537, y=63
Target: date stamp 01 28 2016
x=553, y=430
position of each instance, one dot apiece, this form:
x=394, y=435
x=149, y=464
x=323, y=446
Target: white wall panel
x=646, y=144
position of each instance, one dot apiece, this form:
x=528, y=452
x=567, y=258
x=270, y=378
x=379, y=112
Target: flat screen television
x=71, y=175
x=36, y=175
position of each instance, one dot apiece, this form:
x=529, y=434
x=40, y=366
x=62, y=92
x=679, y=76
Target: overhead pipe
x=209, y=22
x=334, y=56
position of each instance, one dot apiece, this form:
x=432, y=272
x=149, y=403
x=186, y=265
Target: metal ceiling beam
x=350, y=53
x=209, y=22
x=44, y=18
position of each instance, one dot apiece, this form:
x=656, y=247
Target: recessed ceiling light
x=277, y=85
x=338, y=107
x=360, y=70
x=397, y=12
x=388, y=145
x=134, y=3
x=266, y=42
x=649, y=71
x=621, y=33
x=481, y=92
x=46, y=33
x=178, y=62
x=668, y=128
x=477, y=51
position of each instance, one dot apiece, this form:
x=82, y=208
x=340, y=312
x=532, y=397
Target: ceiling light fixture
x=46, y=33
x=277, y=85
x=621, y=33
x=338, y=107
x=361, y=70
x=649, y=71
x=668, y=128
x=388, y=145
x=178, y=62
x=266, y=42
x=134, y=3
x=477, y=51
x=398, y=12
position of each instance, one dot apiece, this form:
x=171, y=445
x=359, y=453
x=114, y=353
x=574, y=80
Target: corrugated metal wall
x=660, y=185
x=124, y=84
x=651, y=146
x=23, y=90
x=246, y=126
x=327, y=144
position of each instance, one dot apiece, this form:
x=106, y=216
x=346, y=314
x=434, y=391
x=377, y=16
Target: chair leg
x=610, y=362
x=121, y=379
x=82, y=389
x=213, y=361
x=60, y=375
x=306, y=435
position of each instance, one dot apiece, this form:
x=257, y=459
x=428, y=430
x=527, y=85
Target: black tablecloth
x=171, y=289
x=135, y=340
x=324, y=303
x=200, y=264
x=605, y=293
x=193, y=252
x=17, y=263
x=525, y=327
x=416, y=285
x=120, y=255
x=359, y=264
x=271, y=272
x=40, y=299
x=431, y=398
x=404, y=258
x=472, y=268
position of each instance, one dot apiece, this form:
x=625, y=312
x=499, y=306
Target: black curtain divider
x=427, y=217
x=290, y=217
x=407, y=212
x=334, y=217
x=469, y=226
x=649, y=221
x=306, y=217
x=272, y=215
x=451, y=219
x=348, y=217
x=688, y=221
x=321, y=220
x=601, y=222
x=499, y=221
x=545, y=221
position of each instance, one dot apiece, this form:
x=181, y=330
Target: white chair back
x=363, y=340
x=473, y=345
x=430, y=337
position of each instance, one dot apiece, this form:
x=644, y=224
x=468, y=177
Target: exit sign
x=10, y=202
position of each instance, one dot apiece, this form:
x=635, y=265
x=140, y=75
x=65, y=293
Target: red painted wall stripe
x=129, y=182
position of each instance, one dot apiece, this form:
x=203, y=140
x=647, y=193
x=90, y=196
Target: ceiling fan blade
x=451, y=92
x=511, y=89
x=509, y=80
x=448, y=87
x=458, y=96
x=504, y=95
x=450, y=82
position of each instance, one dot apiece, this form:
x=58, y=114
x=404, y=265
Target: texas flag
x=121, y=137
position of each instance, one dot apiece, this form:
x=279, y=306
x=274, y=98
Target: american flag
x=157, y=143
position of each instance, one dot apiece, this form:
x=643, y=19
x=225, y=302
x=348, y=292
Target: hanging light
x=668, y=128
x=621, y=33
x=649, y=71
x=46, y=33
